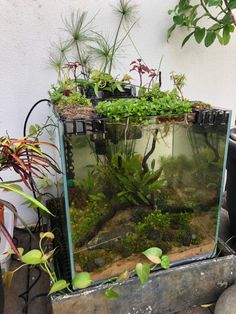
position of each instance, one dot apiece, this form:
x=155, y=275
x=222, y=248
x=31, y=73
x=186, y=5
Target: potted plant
x=26, y=159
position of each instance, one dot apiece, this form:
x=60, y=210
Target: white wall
x=28, y=26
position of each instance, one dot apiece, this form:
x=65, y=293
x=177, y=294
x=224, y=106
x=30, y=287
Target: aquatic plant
x=168, y=103
x=126, y=179
x=67, y=95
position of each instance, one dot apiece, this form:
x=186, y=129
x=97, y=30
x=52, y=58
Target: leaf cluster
x=68, y=94
x=205, y=20
x=163, y=103
x=102, y=81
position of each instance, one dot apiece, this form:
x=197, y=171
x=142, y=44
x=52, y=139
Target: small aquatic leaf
x=58, y=286
x=153, y=164
x=82, y=280
x=111, y=294
x=165, y=262
x=153, y=254
x=143, y=272
x=32, y=257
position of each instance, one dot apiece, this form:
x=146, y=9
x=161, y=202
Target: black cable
x=25, y=294
x=29, y=113
x=38, y=225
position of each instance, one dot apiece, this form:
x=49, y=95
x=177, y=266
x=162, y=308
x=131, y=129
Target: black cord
x=38, y=225
x=29, y=113
x=25, y=294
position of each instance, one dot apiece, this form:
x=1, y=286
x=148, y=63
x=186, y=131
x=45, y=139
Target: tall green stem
x=114, y=45
x=80, y=59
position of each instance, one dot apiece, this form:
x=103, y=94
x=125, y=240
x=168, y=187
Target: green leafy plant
x=167, y=103
x=102, y=81
x=67, y=95
x=90, y=47
x=205, y=20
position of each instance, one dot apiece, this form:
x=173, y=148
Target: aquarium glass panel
x=132, y=186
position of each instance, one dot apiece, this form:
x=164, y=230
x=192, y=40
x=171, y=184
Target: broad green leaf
x=82, y=280
x=199, y=34
x=165, y=262
x=58, y=286
x=153, y=254
x=111, y=294
x=214, y=3
x=226, y=34
x=143, y=271
x=32, y=257
x=226, y=19
x=178, y=19
x=28, y=197
x=210, y=38
x=232, y=4
x=220, y=39
x=186, y=39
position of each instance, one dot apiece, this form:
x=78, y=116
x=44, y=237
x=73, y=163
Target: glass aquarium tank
x=130, y=186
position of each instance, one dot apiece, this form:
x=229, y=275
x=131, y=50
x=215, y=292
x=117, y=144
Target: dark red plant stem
x=9, y=239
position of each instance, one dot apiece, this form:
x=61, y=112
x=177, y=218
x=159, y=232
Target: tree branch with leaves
x=205, y=20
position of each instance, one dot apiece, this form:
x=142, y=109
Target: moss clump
x=84, y=221
x=91, y=260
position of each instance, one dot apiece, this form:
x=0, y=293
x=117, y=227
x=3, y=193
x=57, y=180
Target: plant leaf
x=186, y=39
x=111, y=294
x=165, y=262
x=143, y=271
x=28, y=197
x=20, y=250
x=58, y=286
x=153, y=254
x=32, y=257
x=48, y=235
x=82, y=280
x=210, y=38
x=232, y=4
x=226, y=35
x=199, y=34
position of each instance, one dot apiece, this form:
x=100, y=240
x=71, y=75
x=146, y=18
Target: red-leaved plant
x=25, y=158
x=141, y=68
